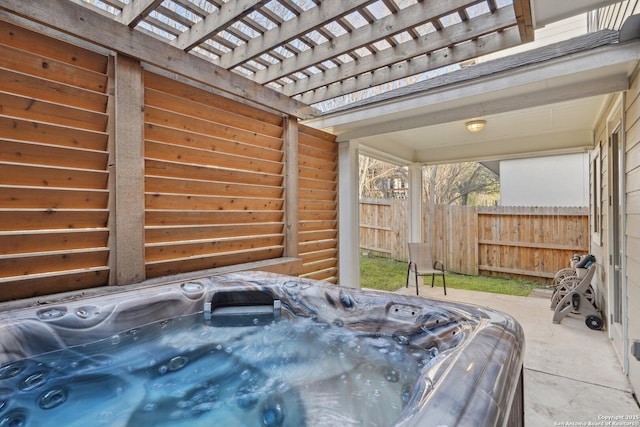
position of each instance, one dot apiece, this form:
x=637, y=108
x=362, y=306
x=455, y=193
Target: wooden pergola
x=305, y=52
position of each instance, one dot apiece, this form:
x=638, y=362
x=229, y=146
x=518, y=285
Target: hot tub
x=258, y=349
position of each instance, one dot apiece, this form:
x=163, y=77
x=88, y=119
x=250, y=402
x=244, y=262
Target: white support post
x=415, y=204
x=348, y=215
x=416, y=231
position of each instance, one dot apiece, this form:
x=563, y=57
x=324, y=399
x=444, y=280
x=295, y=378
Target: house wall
x=545, y=181
x=613, y=16
x=113, y=171
x=599, y=185
x=625, y=109
x=632, y=246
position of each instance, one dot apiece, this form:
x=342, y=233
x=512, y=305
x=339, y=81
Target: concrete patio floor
x=572, y=374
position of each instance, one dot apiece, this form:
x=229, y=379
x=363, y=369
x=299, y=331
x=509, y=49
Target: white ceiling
x=540, y=109
x=556, y=128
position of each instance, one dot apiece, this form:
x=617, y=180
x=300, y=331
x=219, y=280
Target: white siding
x=631, y=246
x=545, y=181
x=632, y=249
x=600, y=234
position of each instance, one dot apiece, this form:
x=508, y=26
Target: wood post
x=129, y=172
x=291, y=186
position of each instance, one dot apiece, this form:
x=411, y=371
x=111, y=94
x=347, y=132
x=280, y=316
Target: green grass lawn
x=387, y=275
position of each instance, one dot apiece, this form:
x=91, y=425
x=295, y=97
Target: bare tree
x=376, y=178
x=458, y=183
x=429, y=180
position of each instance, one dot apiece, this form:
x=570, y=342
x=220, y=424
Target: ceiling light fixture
x=475, y=125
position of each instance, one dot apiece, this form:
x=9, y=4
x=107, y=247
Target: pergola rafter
x=136, y=11
x=448, y=37
x=390, y=25
x=314, y=19
x=216, y=22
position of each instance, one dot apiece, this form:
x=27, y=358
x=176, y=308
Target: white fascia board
x=536, y=95
x=360, y=122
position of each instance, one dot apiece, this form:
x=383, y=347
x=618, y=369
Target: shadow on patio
x=572, y=375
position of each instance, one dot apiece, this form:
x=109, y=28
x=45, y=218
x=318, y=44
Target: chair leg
x=444, y=284
x=408, y=271
x=433, y=277
x=415, y=271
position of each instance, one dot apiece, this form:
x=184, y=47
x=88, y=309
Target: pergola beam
x=308, y=21
x=390, y=25
x=522, y=9
x=215, y=22
x=453, y=35
x=85, y=24
x=136, y=11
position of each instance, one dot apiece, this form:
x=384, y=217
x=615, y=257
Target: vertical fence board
x=455, y=233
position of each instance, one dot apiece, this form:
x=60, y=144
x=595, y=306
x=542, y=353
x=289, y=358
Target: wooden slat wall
x=53, y=165
x=214, y=175
x=318, y=204
x=213, y=180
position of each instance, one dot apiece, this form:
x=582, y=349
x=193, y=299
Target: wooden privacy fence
x=531, y=242
x=509, y=241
